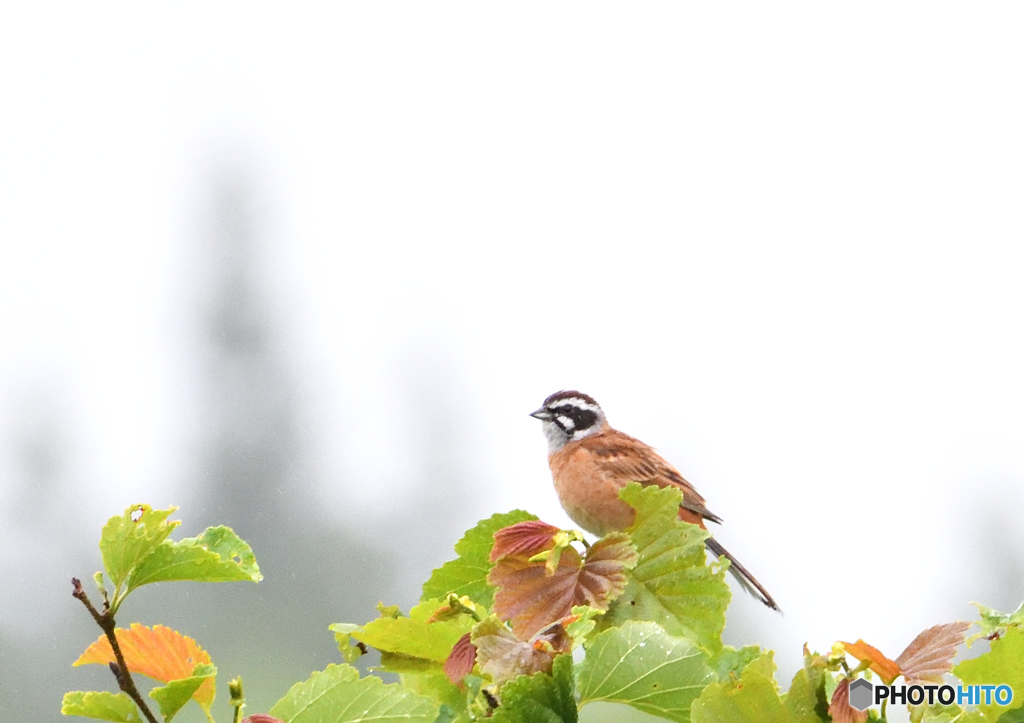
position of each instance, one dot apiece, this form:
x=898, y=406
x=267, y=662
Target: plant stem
x=120, y=669
x=237, y=697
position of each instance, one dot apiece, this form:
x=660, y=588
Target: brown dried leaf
x=523, y=538
x=461, y=660
x=503, y=656
x=887, y=670
x=840, y=708
x=930, y=655
x=532, y=599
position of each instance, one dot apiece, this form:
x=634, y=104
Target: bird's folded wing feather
x=626, y=458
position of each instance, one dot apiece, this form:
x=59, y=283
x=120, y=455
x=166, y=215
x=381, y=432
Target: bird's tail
x=742, y=574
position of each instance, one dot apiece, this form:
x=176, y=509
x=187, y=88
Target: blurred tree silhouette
x=254, y=474
x=42, y=537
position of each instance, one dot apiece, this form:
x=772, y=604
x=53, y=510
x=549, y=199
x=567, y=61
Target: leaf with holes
x=128, y=539
x=532, y=599
x=217, y=555
x=641, y=665
x=338, y=695
x=159, y=653
x=930, y=655
x=671, y=584
x=467, y=574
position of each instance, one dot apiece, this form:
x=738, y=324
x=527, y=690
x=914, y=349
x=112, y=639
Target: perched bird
x=591, y=461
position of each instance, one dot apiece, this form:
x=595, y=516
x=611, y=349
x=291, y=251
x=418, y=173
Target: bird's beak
x=542, y=414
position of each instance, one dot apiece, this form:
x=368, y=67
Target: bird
x=591, y=462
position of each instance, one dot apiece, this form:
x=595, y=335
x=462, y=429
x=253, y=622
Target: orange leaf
x=158, y=652
x=930, y=655
x=840, y=708
x=886, y=669
x=523, y=538
x=531, y=599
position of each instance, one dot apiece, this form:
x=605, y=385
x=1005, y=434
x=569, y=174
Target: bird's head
x=568, y=416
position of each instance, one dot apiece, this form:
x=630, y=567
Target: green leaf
x=641, y=665
x=217, y=555
x=173, y=696
x=437, y=687
x=338, y=695
x=754, y=697
x=1003, y=664
x=414, y=636
x=405, y=664
x=467, y=574
x=128, y=539
x=1012, y=716
x=672, y=584
x=539, y=698
x=117, y=707
x=993, y=621
x=730, y=661
x=806, y=701
x=447, y=714
x=938, y=713
x=343, y=637
x=581, y=628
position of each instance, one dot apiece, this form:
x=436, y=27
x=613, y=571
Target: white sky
x=782, y=244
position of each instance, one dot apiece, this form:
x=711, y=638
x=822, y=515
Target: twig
x=120, y=669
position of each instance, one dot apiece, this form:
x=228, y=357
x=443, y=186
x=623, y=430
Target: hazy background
x=305, y=271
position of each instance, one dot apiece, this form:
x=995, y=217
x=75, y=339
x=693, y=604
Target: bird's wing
x=630, y=460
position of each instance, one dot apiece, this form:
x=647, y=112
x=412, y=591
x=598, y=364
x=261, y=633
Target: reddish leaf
x=930, y=655
x=158, y=652
x=261, y=718
x=532, y=599
x=887, y=670
x=840, y=708
x=461, y=660
x=503, y=656
x=523, y=538
x=604, y=573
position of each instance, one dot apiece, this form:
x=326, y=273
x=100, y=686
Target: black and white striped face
x=568, y=416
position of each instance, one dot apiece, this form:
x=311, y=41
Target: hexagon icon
x=861, y=694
